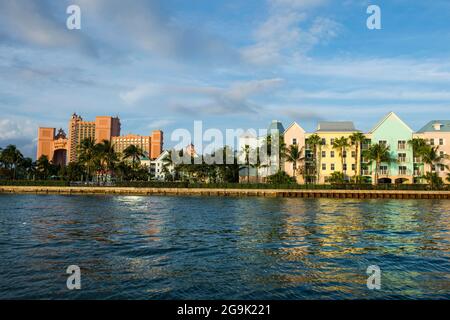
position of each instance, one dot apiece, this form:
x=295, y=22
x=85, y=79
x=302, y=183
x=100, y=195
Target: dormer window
x=437, y=126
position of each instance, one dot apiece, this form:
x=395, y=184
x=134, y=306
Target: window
x=402, y=170
x=401, y=144
x=353, y=154
x=402, y=157
x=383, y=170
x=324, y=166
x=441, y=142
x=331, y=141
x=332, y=167
x=344, y=154
x=442, y=167
x=382, y=142
x=294, y=141
x=345, y=167
x=324, y=154
x=332, y=154
x=353, y=167
x=324, y=141
x=433, y=168
x=431, y=142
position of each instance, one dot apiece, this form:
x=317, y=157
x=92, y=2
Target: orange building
x=62, y=149
x=152, y=145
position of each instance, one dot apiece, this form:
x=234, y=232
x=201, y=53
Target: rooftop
x=436, y=126
x=275, y=125
x=336, y=126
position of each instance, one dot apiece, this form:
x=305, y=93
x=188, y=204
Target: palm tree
x=246, y=151
x=430, y=156
x=133, y=152
x=357, y=139
x=12, y=157
x=293, y=154
x=106, y=155
x=28, y=166
x=87, y=154
x=418, y=145
x=448, y=177
x=315, y=141
x=378, y=153
x=43, y=166
x=341, y=144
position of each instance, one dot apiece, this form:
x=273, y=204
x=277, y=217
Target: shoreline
x=281, y=193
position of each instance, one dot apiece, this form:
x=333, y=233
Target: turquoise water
x=137, y=247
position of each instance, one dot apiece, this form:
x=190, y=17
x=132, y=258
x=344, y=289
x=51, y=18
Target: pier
x=282, y=193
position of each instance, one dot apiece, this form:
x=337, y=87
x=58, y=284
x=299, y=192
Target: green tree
x=43, y=167
x=315, y=141
x=357, y=139
x=336, y=178
x=134, y=153
x=378, y=154
x=431, y=156
x=341, y=144
x=87, y=155
x=12, y=157
x=294, y=155
x=433, y=180
x=106, y=156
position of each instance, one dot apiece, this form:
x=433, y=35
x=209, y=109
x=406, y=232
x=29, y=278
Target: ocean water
x=155, y=247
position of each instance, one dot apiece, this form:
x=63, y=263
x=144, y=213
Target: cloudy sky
x=232, y=64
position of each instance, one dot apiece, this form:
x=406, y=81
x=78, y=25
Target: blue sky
x=232, y=64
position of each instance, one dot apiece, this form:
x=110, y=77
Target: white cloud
x=207, y=99
x=379, y=93
x=140, y=92
x=373, y=69
x=281, y=37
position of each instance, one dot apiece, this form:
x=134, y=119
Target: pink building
x=437, y=133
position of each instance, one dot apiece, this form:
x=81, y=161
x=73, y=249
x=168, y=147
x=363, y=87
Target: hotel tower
x=62, y=149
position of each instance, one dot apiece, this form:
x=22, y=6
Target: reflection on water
x=135, y=247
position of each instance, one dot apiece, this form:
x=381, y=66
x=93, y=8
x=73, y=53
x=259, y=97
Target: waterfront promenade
x=304, y=193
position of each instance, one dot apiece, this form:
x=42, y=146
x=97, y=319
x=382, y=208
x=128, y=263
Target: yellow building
x=332, y=159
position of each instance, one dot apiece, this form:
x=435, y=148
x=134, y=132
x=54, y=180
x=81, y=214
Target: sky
x=231, y=64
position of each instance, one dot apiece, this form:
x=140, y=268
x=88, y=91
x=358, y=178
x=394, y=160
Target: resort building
x=393, y=132
x=152, y=145
x=162, y=168
x=248, y=145
x=295, y=135
x=62, y=149
x=437, y=134
x=332, y=158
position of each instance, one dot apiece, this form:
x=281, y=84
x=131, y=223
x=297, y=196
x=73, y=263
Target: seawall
x=356, y=194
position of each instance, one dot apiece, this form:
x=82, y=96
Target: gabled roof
x=390, y=115
x=335, y=126
x=293, y=124
x=429, y=127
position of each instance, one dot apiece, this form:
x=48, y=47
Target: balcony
x=417, y=160
x=365, y=146
x=383, y=172
x=417, y=173
x=366, y=172
x=404, y=172
x=402, y=159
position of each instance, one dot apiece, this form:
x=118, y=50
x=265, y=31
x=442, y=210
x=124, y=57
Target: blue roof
x=431, y=126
